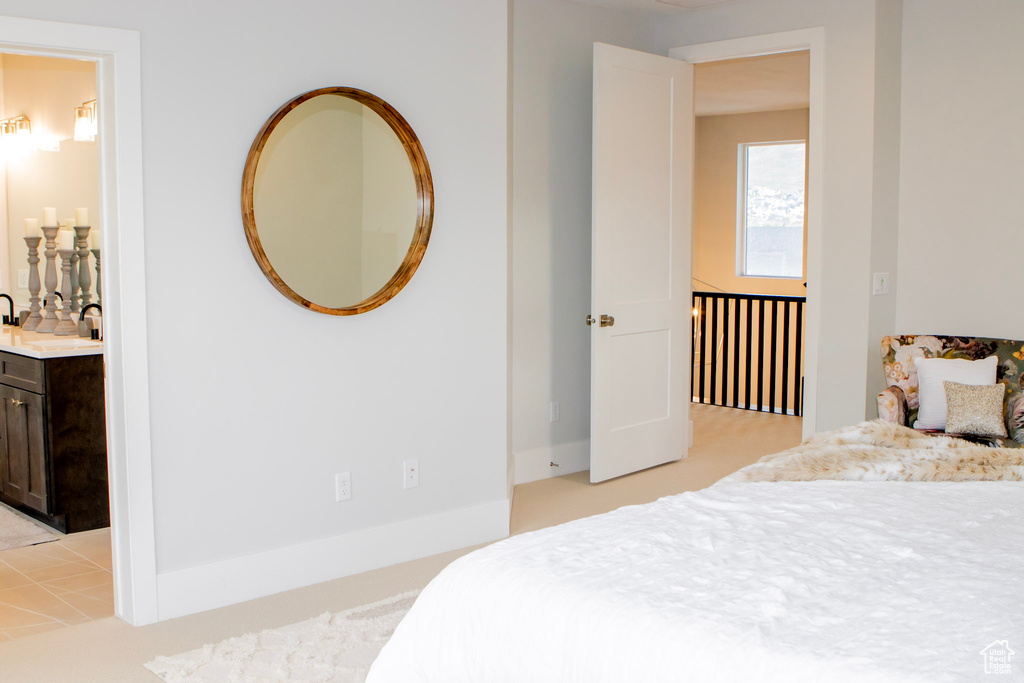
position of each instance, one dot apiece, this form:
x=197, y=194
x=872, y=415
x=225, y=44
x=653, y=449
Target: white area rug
x=331, y=648
x=18, y=532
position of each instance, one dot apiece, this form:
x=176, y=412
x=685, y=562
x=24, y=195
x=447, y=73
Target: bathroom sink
x=64, y=343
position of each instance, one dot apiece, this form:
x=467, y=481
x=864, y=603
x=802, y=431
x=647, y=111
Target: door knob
x=590, y=320
x=607, y=321
x=16, y=403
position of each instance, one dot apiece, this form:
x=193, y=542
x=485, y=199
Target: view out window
x=771, y=210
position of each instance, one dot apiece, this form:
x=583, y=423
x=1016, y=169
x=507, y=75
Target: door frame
x=813, y=40
x=116, y=53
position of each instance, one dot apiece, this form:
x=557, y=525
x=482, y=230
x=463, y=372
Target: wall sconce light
x=85, y=122
x=16, y=136
x=17, y=125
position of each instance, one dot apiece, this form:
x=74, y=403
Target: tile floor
x=53, y=585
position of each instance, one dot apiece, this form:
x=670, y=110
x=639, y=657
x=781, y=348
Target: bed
x=852, y=573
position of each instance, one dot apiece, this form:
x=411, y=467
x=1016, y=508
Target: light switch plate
x=23, y=279
x=880, y=284
x=411, y=474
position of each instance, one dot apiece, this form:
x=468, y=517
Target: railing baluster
x=785, y=357
x=760, y=355
x=771, y=377
x=736, y=355
x=714, y=349
x=747, y=381
x=798, y=393
x=725, y=351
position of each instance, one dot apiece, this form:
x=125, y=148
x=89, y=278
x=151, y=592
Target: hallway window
x=771, y=182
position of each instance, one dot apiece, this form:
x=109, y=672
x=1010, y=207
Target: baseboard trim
x=218, y=584
x=754, y=408
x=535, y=464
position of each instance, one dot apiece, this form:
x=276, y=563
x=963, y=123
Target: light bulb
x=84, y=129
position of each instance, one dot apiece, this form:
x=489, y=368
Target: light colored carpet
x=111, y=650
x=17, y=531
x=724, y=440
x=332, y=648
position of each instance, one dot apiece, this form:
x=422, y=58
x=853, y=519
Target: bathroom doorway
x=55, y=548
x=115, y=54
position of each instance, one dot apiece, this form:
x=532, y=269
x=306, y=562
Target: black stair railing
x=750, y=353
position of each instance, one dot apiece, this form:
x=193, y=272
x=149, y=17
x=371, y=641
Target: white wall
x=849, y=83
x=256, y=403
x=961, y=224
x=552, y=85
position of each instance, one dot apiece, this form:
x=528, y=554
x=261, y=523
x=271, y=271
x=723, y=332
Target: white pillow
x=932, y=372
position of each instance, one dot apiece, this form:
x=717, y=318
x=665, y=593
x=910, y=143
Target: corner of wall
x=536, y=463
x=885, y=187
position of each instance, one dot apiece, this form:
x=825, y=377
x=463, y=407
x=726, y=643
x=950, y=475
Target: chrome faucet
x=9, y=319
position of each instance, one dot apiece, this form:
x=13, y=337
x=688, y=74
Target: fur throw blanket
x=883, y=451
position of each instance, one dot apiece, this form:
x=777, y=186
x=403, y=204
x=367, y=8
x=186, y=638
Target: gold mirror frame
x=424, y=200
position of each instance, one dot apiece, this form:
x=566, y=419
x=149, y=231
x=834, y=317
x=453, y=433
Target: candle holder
x=84, y=274
x=67, y=324
x=49, y=314
x=99, y=277
x=33, y=320
x=74, y=280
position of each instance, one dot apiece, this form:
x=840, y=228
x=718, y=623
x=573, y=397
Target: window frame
x=741, y=211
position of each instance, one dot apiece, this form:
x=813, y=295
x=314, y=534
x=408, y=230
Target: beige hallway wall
x=715, y=185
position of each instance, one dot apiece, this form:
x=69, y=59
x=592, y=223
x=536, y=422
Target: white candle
x=49, y=216
x=32, y=228
x=82, y=216
x=65, y=240
x=94, y=239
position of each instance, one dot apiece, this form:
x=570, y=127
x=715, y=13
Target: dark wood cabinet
x=53, y=446
x=23, y=448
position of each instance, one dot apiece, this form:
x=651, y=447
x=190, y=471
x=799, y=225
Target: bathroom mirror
x=337, y=201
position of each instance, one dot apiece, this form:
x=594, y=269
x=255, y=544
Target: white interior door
x=642, y=190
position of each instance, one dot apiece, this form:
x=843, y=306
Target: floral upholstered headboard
x=898, y=354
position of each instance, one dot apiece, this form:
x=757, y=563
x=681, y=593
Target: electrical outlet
x=342, y=486
x=23, y=279
x=411, y=474
x=880, y=284
x=553, y=412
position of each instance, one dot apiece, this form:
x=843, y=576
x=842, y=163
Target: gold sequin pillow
x=974, y=409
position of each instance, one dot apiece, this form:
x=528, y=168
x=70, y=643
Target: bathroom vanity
x=53, y=445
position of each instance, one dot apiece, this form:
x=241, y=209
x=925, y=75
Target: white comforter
x=789, y=581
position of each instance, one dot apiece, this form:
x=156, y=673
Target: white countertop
x=36, y=345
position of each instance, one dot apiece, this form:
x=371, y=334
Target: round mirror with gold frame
x=337, y=201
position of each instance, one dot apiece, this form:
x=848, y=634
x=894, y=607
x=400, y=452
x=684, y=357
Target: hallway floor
x=54, y=585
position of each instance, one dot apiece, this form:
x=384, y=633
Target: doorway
x=56, y=552
x=810, y=41
x=749, y=236
x=117, y=58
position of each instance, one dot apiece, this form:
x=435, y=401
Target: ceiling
x=767, y=83
x=658, y=5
